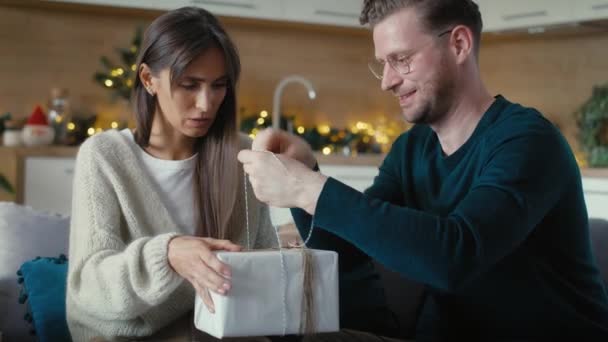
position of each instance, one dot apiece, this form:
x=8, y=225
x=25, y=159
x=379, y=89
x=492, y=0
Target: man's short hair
x=437, y=15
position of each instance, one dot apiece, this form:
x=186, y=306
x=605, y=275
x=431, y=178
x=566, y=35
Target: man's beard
x=442, y=91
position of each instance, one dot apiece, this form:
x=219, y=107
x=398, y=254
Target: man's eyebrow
x=406, y=52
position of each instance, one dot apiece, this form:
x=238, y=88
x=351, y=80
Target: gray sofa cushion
x=24, y=234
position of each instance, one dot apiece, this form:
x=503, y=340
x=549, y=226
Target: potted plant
x=592, y=121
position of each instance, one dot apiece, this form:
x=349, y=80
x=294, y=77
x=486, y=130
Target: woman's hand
x=193, y=259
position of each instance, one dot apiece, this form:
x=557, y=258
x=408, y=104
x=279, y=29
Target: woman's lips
x=198, y=122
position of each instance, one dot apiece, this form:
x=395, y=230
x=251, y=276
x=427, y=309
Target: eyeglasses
x=400, y=62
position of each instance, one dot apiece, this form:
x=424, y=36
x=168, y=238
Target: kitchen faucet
x=276, y=101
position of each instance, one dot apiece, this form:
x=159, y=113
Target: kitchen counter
x=595, y=172
x=361, y=159
x=334, y=159
x=42, y=176
x=376, y=160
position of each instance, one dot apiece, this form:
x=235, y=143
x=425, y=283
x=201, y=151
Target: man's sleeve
x=522, y=178
x=386, y=187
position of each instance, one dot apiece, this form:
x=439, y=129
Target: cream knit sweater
x=120, y=285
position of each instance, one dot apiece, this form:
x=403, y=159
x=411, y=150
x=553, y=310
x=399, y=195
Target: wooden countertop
x=361, y=159
x=358, y=160
x=595, y=172
x=376, y=160
x=41, y=151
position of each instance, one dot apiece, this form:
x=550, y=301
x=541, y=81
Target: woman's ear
x=147, y=79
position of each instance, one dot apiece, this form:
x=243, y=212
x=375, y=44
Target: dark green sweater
x=498, y=231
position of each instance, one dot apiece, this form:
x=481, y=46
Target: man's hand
x=282, y=182
x=193, y=259
x=289, y=145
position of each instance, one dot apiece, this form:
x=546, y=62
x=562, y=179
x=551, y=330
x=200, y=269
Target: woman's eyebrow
x=202, y=79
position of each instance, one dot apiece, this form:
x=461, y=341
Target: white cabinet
x=596, y=196
x=263, y=9
x=336, y=12
x=497, y=14
x=48, y=186
x=589, y=9
x=48, y=183
x=143, y=4
x=517, y=14
x=357, y=177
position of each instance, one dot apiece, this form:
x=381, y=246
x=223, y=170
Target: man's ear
x=462, y=43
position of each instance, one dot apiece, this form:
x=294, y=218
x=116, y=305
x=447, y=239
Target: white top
x=175, y=182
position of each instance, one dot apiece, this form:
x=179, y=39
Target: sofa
x=405, y=296
x=26, y=234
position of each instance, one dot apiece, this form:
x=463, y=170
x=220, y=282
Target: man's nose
x=390, y=77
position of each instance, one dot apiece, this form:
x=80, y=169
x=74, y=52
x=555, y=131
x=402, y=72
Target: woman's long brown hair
x=173, y=41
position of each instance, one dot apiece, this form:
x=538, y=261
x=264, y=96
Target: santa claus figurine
x=37, y=131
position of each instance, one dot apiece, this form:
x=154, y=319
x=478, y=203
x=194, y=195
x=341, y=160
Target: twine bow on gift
x=307, y=303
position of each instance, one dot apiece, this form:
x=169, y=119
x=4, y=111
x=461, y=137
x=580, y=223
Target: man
x=481, y=200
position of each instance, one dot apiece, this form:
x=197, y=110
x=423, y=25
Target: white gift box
x=266, y=301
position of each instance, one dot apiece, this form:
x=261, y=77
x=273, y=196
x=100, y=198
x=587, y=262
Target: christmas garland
x=361, y=138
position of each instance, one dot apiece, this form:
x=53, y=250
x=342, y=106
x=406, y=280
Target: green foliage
x=4, y=117
x=119, y=77
x=592, y=121
x=5, y=185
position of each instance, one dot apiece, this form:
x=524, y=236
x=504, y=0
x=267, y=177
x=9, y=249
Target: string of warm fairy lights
x=361, y=137
x=93, y=130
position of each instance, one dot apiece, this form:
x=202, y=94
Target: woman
x=150, y=206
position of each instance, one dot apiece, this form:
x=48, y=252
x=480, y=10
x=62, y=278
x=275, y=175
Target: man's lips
x=403, y=98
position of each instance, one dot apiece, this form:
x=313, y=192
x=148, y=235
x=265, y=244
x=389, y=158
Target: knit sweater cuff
x=156, y=257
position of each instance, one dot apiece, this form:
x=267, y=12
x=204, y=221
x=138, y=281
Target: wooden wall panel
x=43, y=45
x=553, y=72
